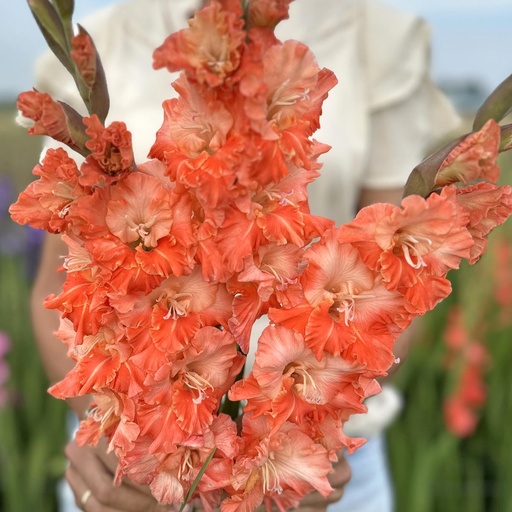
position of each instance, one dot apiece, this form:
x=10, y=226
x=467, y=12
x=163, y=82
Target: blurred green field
x=434, y=470
x=19, y=152
x=31, y=423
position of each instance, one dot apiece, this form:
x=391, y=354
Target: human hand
x=90, y=475
x=338, y=478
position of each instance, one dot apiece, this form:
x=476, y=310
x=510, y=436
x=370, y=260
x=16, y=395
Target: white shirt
x=380, y=119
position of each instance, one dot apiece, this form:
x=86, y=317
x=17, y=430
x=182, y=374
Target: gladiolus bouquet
x=172, y=260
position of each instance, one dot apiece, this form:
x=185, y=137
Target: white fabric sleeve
x=383, y=408
x=409, y=114
x=402, y=134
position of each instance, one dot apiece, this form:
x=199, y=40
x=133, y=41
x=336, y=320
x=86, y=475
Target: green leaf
x=506, y=138
x=422, y=179
x=52, y=28
x=497, y=105
x=198, y=479
x=65, y=8
x=76, y=127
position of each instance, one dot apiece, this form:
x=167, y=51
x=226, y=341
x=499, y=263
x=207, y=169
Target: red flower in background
x=468, y=360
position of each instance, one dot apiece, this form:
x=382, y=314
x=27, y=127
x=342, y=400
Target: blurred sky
x=472, y=39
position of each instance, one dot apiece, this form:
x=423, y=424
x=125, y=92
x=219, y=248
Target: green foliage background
x=32, y=432
x=433, y=470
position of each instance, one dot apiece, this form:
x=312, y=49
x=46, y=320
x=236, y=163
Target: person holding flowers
x=170, y=266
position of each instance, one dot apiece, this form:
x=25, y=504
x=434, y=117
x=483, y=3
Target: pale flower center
x=216, y=54
x=100, y=416
x=142, y=229
x=197, y=383
x=178, y=305
x=345, y=302
x=414, y=247
x=203, y=129
x=89, y=343
x=281, y=99
x=77, y=262
x=280, y=197
x=187, y=465
x=270, y=478
x=63, y=190
x=305, y=383
x=282, y=280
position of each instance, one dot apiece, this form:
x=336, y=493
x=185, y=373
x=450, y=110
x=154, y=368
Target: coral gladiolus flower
x=413, y=247
x=111, y=414
x=280, y=467
x=139, y=211
x=46, y=203
x=488, y=206
x=210, y=49
x=288, y=382
x=347, y=299
x=112, y=153
x=474, y=158
x=48, y=117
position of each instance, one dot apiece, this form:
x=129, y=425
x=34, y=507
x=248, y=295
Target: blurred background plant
x=31, y=422
x=451, y=448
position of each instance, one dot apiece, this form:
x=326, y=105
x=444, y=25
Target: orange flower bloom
x=347, y=303
x=414, y=246
x=280, y=467
x=488, y=206
x=210, y=49
x=112, y=153
x=288, y=382
x=46, y=203
x=474, y=158
x=51, y=118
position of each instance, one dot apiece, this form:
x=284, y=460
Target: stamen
x=64, y=211
x=411, y=246
x=92, y=341
x=76, y=263
x=186, y=465
x=309, y=388
x=286, y=101
x=142, y=229
x=101, y=417
x=176, y=308
x=347, y=303
x=269, y=473
x=199, y=384
x=348, y=306
x=280, y=197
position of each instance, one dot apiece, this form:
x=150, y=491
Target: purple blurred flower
x=5, y=345
x=6, y=194
x=17, y=240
